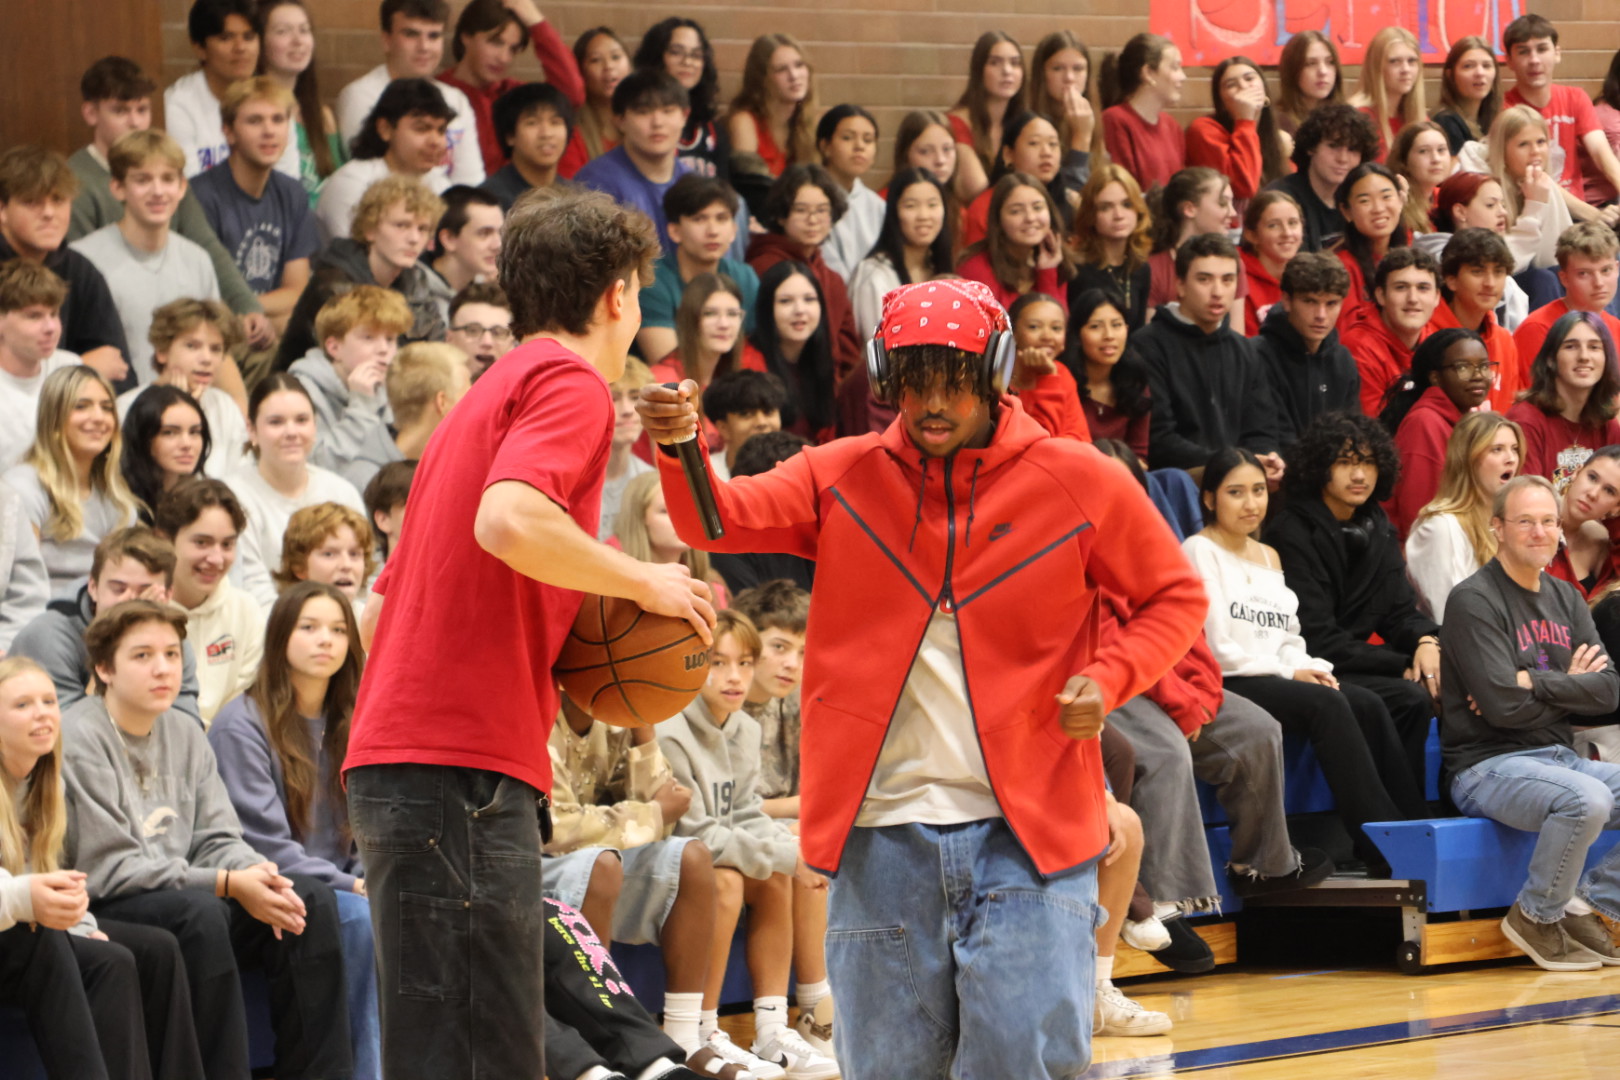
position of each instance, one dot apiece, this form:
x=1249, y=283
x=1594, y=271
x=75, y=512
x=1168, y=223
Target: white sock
x=1577, y=906
x=770, y=1016
x=708, y=1023
x=683, y=1017
x=1105, y=969
x=809, y=995
x=595, y=1072
x=656, y=1069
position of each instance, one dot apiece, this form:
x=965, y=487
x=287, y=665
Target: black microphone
x=698, y=481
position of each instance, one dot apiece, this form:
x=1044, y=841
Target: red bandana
x=957, y=313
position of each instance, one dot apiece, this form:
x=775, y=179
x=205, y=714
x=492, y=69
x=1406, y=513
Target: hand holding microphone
x=669, y=414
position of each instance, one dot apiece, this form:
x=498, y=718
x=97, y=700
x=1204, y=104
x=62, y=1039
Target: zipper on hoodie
x=947, y=597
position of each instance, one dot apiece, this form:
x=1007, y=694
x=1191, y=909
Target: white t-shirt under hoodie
x=1253, y=620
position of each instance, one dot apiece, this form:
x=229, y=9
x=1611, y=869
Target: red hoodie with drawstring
x=1017, y=540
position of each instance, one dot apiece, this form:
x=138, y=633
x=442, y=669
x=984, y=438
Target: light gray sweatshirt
x=352, y=429
x=149, y=812
x=721, y=766
x=24, y=584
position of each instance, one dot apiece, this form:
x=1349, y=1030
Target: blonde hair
x=52, y=458
x=364, y=305
x=421, y=371
x=752, y=98
x=1460, y=493
x=139, y=147
x=419, y=203
x=259, y=88
x=630, y=527
x=311, y=525
x=1371, y=92
x=1504, y=129
x=1087, y=245
x=730, y=621
x=636, y=375
x=34, y=841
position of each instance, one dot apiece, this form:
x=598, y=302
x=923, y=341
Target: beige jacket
x=602, y=789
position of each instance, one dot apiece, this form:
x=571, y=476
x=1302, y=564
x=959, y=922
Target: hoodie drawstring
x=922, y=489
x=973, y=490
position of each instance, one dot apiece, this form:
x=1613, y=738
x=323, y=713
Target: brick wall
x=889, y=55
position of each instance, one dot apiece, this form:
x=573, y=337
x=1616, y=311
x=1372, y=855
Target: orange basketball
x=628, y=667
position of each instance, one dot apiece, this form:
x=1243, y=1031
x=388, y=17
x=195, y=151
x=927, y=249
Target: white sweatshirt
x=1438, y=556
x=1253, y=620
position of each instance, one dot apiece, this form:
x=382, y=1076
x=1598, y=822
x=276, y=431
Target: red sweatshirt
x=1381, y=357
x=1421, y=441
x=1191, y=693
x=1151, y=153
x=560, y=71
x=1510, y=376
x=1235, y=154
x=1530, y=335
x=978, y=268
x=1555, y=447
x=1054, y=403
x=1264, y=292
x=765, y=250
x=1029, y=524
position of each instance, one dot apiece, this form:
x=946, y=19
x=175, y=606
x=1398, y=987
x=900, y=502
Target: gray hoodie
x=26, y=585
x=352, y=429
x=721, y=766
x=56, y=640
x=146, y=813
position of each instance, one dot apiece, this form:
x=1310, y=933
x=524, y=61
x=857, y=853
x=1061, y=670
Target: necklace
x=137, y=765
x=1122, y=278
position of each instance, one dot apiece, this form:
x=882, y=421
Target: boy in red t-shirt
x=1531, y=45
x=1588, y=268
x=448, y=767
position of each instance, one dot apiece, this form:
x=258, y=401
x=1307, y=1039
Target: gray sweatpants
x=1240, y=753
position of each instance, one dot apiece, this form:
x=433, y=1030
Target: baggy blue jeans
x=950, y=955
x=1565, y=798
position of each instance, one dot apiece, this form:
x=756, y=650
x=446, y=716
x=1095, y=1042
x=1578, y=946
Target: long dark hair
x=1217, y=469
x=891, y=241
x=1428, y=360
x=974, y=99
x=272, y=694
x=142, y=424
x=306, y=92
x=1007, y=268
x=1543, y=392
x=1351, y=240
x=1128, y=376
x=810, y=379
x=1273, y=163
x=650, y=57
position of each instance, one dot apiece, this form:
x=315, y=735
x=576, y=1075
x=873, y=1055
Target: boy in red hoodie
x=951, y=778
x=1406, y=288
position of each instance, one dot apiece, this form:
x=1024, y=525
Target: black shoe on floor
x=1187, y=952
x=1314, y=866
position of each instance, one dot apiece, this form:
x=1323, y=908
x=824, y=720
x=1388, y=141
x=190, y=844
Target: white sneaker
x=733, y=1054
x=1119, y=1015
x=797, y=1058
x=815, y=1026
x=1149, y=935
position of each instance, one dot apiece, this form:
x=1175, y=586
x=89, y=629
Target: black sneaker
x=1314, y=866
x=1187, y=952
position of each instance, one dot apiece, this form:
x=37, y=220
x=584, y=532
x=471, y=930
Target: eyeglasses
x=478, y=330
x=810, y=212
x=1546, y=524
x=1464, y=370
x=683, y=56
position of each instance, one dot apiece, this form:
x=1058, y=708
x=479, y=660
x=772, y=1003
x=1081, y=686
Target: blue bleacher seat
x=1467, y=863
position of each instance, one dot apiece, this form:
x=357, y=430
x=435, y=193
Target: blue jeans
x=1568, y=800
x=360, y=972
x=950, y=955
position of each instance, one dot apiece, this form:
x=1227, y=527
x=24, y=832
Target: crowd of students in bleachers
x=1327, y=318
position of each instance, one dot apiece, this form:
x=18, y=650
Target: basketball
x=628, y=667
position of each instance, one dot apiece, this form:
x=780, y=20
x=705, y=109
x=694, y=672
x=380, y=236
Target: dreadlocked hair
x=916, y=367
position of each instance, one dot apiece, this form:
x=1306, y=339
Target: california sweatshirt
x=149, y=812
x=721, y=766
x=1253, y=620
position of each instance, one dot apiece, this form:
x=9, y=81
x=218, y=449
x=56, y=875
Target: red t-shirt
x=460, y=672
x=1569, y=115
x=1530, y=335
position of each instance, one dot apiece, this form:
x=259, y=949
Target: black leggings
x=1356, y=744
x=82, y=999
